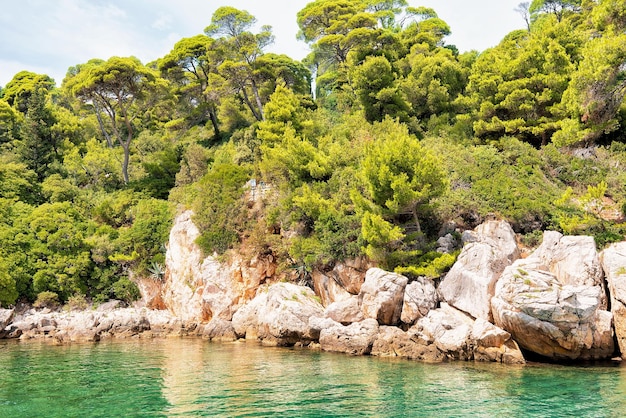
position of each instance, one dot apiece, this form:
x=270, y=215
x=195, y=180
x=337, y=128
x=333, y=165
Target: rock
x=6, y=317
x=355, y=339
x=327, y=288
x=317, y=324
x=150, y=289
x=110, y=305
x=457, y=336
x=572, y=259
x=343, y=280
x=285, y=316
x=447, y=244
x=449, y=330
x=382, y=295
x=345, y=311
x=420, y=296
x=553, y=303
x=246, y=319
x=393, y=342
x=280, y=317
x=470, y=283
x=219, y=330
x=494, y=344
x=613, y=261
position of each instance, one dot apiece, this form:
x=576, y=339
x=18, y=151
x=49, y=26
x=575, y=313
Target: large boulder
x=420, y=296
x=457, y=336
x=554, y=303
x=382, y=296
x=470, y=283
x=356, y=339
x=494, y=344
x=219, y=330
x=328, y=289
x=280, y=316
x=449, y=330
x=246, y=319
x=613, y=261
x=573, y=259
x=345, y=311
x=393, y=342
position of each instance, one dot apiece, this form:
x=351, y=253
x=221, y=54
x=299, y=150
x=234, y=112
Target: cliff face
x=198, y=288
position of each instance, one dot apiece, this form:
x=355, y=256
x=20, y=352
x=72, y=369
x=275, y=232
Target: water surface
x=191, y=377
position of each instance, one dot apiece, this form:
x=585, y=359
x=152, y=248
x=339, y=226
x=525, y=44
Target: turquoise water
x=191, y=377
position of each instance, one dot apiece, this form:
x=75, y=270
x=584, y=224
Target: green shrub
x=219, y=207
x=77, y=302
x=47, y=300
x=433, y=266
x=124, y=289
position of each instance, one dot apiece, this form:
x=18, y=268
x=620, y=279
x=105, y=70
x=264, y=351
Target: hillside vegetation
x=404, y=139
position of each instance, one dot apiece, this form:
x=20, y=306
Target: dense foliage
x=405, y=139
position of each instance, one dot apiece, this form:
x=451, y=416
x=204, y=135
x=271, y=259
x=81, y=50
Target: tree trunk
x=255, y=90
x=213, y=116
x=126, y=161
x=101, y=123
x=247, y=101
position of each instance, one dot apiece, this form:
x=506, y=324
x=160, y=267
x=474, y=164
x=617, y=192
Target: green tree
x=39, y=145
x=558, y=8
x=375, y=85
x=516, y=87
x=18, y=91
x=219, y=207
x=122, y=89
x=400, y=176
x=232, y=26
x=596, y=92
x=435, y=81
x=192, y=65
x=58, y=244
x=8, y=289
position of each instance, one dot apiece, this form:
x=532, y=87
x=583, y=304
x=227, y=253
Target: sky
x=49, y=36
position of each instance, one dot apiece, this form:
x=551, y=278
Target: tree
x=123, y=90
x=9, y=123
x=232, y=26
x=596, y=92
x=18, y=91
x=524, y=10
x=435, y=81
x=192, y=65
x=400, y=176
x=336, y=26
x=375, y=85
x=516, y=87
x=559, y=8
x=39, y=145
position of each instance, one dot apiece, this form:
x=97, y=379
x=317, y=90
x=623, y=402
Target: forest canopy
x=382, y=140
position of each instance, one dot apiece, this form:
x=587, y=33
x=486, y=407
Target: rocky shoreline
x=563, y=302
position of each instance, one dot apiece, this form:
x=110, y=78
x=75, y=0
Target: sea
x=177, y=377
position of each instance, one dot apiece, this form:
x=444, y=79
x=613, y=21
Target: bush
x=47, y=300
x=219, y=207
x=77, y=302
x=126, y=290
